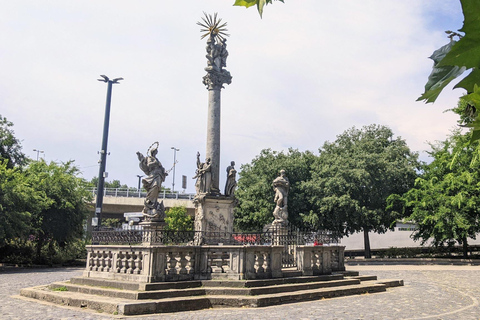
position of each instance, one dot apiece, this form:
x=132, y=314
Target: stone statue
x=216, y=54
x=203, y=175
x=216, y=62
x=152, y=182
x=231, y=183
x=281, y=186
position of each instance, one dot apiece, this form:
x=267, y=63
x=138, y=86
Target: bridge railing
x=136, y=193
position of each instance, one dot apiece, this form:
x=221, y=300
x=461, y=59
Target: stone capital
x=215, y=79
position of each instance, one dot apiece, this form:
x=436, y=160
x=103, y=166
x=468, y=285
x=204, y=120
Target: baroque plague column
x=214, y=211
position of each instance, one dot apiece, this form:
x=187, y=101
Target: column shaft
x=213, y=136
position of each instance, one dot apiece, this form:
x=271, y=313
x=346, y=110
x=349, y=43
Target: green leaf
x=245, y=3
x=260, y=5
x=440, y=76
x=475, y=136
x=473, y=98
x=467, y=51
x=469, y=81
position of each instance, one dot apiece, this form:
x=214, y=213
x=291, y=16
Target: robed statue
x=203, y=175
x=231, y=183
x=152, y=182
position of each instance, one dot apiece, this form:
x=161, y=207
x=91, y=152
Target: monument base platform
x=135, y=298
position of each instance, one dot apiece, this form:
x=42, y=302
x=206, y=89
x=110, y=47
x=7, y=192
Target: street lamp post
x=103, y=152
x=174, y=164
x=139, y=179
x=38, y=151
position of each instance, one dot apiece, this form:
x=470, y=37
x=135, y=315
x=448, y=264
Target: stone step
x=115, y=305
x=125, y=285
x=364, y=278
x=347, y=273
x=290, y=297
x=269, y=282
x=389, y=283
x=128, y=294
x=313, y=283
x=279, y=288
x=292, y=273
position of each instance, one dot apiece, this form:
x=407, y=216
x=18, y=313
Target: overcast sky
x=303, y=74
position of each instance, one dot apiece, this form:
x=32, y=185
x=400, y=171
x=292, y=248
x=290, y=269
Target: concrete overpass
x=118, y=201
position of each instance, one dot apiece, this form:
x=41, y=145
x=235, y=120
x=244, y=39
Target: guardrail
x=142, y=193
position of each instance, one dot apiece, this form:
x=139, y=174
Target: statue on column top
x=216, y=52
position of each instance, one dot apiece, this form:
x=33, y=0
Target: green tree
x=17, y=201
x=352, y=179
x=115, y=184
x=10, y=148
x=445, y=201
x=255, y=192
x=65, y=197
x=177, y=219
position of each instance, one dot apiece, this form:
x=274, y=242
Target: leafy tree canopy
x=353, y=177
x=115, y=184
x=445, y=200
x=10, y=148
x=17, y=202
x=64, y=209
x=255, y=192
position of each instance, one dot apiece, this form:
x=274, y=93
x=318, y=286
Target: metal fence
x=289, y=238
x=142, y=193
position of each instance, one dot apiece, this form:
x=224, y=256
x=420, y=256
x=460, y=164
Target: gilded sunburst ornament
x=213, y=26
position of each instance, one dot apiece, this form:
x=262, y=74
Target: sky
x=302, y=75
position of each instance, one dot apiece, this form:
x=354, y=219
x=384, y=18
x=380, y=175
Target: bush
x=177, y=219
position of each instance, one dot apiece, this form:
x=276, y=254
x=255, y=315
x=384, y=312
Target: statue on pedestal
x=155, y=175
x=203, y=176
x=281, y=186
x=231, y=183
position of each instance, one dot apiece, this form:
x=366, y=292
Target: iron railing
x=142, y=193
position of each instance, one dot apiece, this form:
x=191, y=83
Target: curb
x=417, y=261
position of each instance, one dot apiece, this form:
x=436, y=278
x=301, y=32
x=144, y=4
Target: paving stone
x=430, y=292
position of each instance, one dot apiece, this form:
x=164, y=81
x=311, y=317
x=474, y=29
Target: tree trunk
x=465, y=247
x=366, y=242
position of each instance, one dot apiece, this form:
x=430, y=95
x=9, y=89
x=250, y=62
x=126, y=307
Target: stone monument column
x=213, y=211
x=214, y=79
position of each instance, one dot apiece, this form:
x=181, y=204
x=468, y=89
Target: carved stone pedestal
x=213, y=219
x=150, y=231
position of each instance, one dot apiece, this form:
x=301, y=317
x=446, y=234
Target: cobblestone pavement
x=430, y=292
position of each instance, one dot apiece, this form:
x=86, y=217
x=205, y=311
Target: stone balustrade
x=154, y=263
x=317, y=260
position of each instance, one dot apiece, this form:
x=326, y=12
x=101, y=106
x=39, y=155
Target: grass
x=60, y=289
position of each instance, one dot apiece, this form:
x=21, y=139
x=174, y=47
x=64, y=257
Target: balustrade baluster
x=130, y=262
